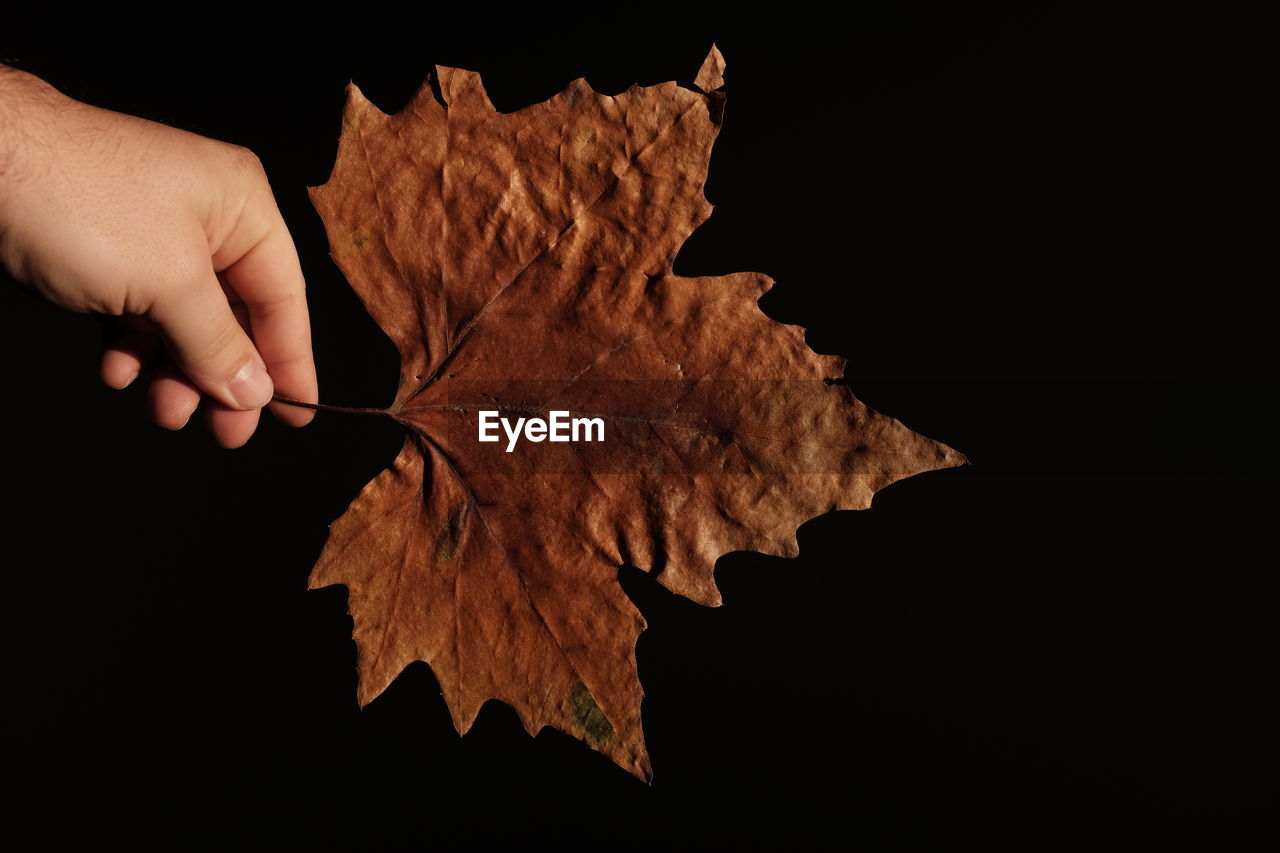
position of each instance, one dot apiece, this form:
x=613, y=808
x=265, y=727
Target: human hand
x=177, y=234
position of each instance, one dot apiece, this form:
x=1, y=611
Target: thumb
x=207, y=343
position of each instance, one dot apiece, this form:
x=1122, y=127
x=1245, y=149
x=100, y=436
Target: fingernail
x=251, y=387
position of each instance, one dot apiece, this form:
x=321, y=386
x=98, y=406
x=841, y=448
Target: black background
x=1048, y=240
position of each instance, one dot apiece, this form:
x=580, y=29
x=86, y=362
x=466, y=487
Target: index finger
x=268, y=279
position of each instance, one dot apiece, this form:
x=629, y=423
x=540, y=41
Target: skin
x=175, y=234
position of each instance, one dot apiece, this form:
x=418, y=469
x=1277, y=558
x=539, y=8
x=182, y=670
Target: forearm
x=27, y=107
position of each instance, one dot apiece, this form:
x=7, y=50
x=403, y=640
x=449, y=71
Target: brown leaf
x=522, y=262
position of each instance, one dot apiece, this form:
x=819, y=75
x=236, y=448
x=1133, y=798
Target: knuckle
x=227, y=335
x=284, y=299
x=221, y=350
x=246, y=161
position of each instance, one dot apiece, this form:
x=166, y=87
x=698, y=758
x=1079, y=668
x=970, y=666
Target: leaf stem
x=322, y=407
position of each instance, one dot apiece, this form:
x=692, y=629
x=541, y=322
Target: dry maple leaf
x=521, y=263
